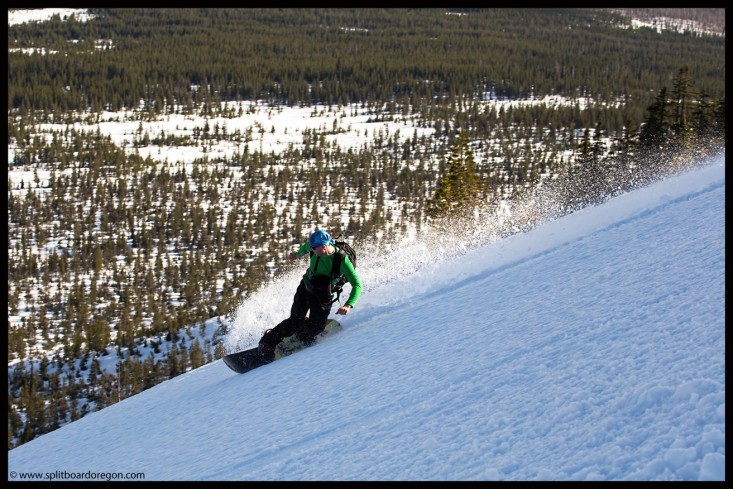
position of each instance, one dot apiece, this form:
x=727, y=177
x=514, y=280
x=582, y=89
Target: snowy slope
x=590, y=348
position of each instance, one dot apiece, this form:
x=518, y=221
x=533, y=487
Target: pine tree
x=683, y=95
x=654, y=131
x=196, y=354
x=459, y=187
x=173, y=362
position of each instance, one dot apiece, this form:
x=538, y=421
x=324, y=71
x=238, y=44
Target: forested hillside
x=117, y=248
x=423, y=57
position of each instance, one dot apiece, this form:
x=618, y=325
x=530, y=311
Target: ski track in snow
x=591, y=348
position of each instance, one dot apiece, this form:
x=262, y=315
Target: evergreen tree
x=654, y=131
x=459, y=187
x=174, y=363
x=196, y=354
x=682, y=97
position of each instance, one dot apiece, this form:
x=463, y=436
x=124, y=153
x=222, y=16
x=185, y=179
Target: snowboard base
x=246, y=360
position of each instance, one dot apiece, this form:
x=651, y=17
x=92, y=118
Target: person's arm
x=303, y=250
x=348, y=270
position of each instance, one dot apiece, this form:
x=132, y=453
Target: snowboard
x=246, y=360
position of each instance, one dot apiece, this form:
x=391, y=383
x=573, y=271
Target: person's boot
x=305, y=339
x=267, y=351
x=309, y=333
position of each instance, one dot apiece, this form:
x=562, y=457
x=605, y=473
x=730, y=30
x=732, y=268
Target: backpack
x=344, y=249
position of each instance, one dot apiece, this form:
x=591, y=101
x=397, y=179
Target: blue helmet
x=320, y=238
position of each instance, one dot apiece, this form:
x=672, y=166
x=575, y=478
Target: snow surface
x=591, y=348
x=22, y=16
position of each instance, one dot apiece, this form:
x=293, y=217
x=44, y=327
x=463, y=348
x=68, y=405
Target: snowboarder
x=314, y=293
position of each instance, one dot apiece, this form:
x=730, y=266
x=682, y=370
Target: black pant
x=303, y=302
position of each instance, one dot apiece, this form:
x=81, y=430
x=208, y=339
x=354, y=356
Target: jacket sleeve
x=303, y=250
x=348, y=270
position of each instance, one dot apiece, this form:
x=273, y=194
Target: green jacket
x=324, y=268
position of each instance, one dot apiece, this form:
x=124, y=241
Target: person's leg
x=316, y=323
x=287, y=327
